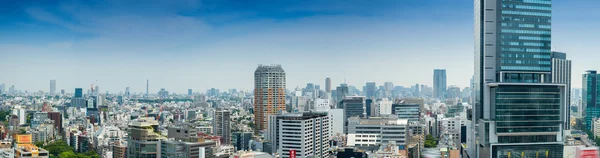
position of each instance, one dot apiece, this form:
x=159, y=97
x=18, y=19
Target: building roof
x=303, y=115
x=379, y=120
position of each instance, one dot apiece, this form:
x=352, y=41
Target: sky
x=202, y=44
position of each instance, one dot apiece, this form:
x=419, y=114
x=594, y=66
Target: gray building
x=222, y=125
x=561, y=73
x=353, y=106
x=307, y=133
x=144, y=138
x=341, y=92
x=182, y=131
x=403, y=110
x=52, y=87
x=517, y=110
x=439, y=83
x=328, y=85
x=179, y=149
x=369, y=133
x=370, y=90
x=241, y=140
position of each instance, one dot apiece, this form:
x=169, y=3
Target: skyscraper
x=189, y=91
x=439, y=83
x=561, y=73
x=222, y=125
x=388, y=87
x=328, y=85
x=147, y=87
x=341, y=92
x=590, y=101
x=517, y=110
x=370, y=89
x=353, y=106
x=52, y=87
x=78, y=93
x=269, y=93
x=127, y=91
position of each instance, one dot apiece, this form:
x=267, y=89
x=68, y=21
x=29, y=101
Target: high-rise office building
x=144, y=138
x=189, y=91
x=404, y=110
x=78, y=93
x=52, y=87
x=269, y=93
x=590, y=101
x=2, y=88
x=78, y=101
x=388, y=87
x=328, y=85
x=147, y=87
x=416, y=91
x=517, y=110
x=127, y=91
x=353, y=106
x=241, y=140
x=308, y=134
x=370, y=90
x=561, y=73
x=439, y=83
x=341, y=92
x=222, y=125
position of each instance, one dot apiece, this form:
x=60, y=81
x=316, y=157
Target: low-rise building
x=25, y=148
x=200, y=148
x=368, y=134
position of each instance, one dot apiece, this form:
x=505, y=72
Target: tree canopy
x=430, y=142
x=61, y=149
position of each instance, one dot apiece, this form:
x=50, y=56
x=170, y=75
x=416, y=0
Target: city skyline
x=67, y=48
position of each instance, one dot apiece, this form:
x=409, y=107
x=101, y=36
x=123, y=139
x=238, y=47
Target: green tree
x=68, y=154
x=3, y=115
x=430, y=142
x=28, y=119
x=39, y=144
x=58, y=147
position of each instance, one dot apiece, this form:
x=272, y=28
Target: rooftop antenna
x=345, y=78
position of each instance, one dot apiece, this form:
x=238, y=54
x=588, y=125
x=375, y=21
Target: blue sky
x=218, y=43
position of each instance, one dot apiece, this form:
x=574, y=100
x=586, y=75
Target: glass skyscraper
x=518, y=111
x=591, y=104
x=439, y=83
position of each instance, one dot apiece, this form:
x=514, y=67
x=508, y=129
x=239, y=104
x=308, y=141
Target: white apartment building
x=308, y=133
x=385, y=107
x=595, y=127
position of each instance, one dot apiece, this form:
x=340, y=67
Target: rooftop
x=378, y=120
x=302, y=115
